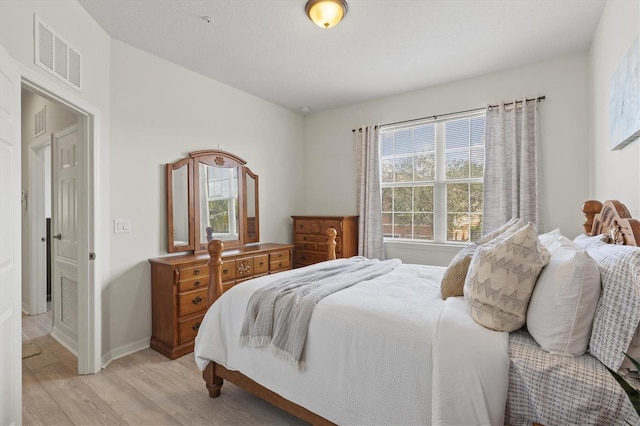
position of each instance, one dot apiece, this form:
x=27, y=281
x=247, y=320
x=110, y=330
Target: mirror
x=219, y=200
x=179, y=196
x=251, y=209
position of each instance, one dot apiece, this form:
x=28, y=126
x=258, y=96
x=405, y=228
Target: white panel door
x=10, y=244
x=65, y=237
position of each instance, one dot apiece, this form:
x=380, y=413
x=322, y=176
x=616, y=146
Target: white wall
x=329, y=147
x=614, y=174
x=73, y=23
x=159, y=113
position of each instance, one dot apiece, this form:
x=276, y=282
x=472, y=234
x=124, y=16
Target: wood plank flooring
x=144, y=388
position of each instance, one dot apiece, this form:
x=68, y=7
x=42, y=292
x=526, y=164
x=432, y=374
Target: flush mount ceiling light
x=326, y=13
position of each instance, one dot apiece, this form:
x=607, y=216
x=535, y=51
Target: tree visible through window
x=432, y=179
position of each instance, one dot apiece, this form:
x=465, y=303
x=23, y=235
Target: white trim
x=125, y=350
x=36, y=278
x=89, y=295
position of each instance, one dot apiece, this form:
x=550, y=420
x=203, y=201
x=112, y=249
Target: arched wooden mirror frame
x=246, y=209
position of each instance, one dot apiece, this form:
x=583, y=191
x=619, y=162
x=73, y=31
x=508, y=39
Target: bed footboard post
x=215, y=249
x=331, y=243
x=214, y=383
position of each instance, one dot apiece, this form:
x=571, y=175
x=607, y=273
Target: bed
x=390, y=350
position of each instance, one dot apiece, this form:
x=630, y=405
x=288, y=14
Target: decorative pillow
x=453, y=278
x=492, y=235
x=618, y=311
x=585, y=241
x=564, y=299
x=501, y=277
x=549, y=238
x=455, y=274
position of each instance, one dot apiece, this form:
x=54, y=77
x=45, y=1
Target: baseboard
x=65, y=340
x=125, y=350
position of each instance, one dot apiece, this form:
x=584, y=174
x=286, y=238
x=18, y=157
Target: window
x=432, y=179
x=222, y=199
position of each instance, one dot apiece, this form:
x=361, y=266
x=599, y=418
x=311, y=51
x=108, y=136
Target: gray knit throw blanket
x=278, y=314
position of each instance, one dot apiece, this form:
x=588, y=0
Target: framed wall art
x=624, y=96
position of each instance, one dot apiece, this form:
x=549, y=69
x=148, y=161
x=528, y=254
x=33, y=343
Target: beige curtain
x=511, y=164
x=368, y=193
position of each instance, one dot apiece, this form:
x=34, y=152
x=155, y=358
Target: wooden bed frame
x=611, y=218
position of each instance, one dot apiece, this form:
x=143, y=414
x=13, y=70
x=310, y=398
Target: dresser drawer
x=335, y=224
x=279, y=260
x=187, y=329
x=228, y=270
x=261, y=264
x=307, y=245
x=244, y=267
x=309, y=257
x=305, y=238
x=193, y=284
x=192, y=302
x=192, y=272
x=309, y=226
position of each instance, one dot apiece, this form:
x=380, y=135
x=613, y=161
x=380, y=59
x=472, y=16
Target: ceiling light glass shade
x=326, y=13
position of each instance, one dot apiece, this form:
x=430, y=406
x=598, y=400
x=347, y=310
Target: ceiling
x=270, y=49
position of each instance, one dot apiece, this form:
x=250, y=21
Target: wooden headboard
x=612, y=219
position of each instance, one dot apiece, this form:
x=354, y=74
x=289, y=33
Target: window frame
x=440, y=181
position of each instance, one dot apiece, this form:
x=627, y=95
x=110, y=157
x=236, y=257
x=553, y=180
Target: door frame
x=89, y=295
x=37, y=298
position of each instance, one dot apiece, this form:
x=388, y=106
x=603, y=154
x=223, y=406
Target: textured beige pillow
x=501, y=277
x=453, y=278
x=514, y=221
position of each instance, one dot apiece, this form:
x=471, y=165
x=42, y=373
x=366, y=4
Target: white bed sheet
x=386, y=351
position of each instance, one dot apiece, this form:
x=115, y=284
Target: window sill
x=420, y=245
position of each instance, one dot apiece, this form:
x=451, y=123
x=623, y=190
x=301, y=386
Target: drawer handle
x=279, y=264
x=196, y=326
x=197, y=284
x=196, y=272
x=197, y=300
x=225, y=271
x=261, y=264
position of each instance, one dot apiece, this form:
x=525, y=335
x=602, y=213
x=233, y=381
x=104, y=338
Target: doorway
x=60, y=103
x=42, y=119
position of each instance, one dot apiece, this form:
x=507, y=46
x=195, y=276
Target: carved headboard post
x=590, y=208
x=215, y=249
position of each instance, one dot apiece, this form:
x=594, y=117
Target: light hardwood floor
x=144, y=388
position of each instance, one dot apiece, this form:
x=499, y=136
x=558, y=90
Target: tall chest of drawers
x=310, y=239
x=180, y=286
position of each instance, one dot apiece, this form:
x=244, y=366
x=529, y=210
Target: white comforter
x=386, y=351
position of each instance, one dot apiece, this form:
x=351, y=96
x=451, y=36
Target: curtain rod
x=539, y=98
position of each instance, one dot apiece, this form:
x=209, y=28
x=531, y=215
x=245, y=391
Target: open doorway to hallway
x=43, y=121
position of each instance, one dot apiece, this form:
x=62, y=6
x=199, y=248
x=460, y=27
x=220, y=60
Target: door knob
x=58, y=236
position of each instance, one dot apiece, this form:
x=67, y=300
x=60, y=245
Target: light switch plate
x=121, y=226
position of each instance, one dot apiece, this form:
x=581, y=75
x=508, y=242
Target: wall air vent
x=55, y=55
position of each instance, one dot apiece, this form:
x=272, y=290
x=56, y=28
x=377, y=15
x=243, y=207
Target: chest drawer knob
x=197, y=284
x=197, y=300
x=196, y=272
x=196, y=326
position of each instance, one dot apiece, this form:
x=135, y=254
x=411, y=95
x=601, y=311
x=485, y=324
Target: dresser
x=310, y=239
x=180, y=286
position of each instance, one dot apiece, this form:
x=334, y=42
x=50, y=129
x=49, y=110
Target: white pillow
x=501, y=277
x=549, y=237
x=564, y=300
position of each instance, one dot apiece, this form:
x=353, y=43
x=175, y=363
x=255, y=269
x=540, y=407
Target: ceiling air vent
x=55, y=55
